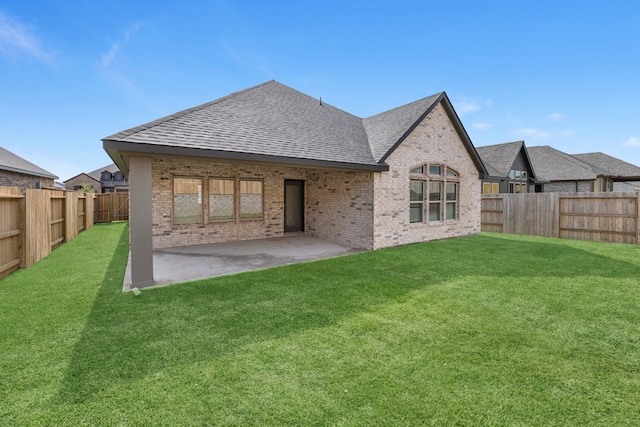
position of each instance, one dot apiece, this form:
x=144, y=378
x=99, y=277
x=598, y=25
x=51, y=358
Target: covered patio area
x=187, y=263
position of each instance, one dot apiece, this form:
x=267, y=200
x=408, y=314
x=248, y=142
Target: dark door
x=293, y=205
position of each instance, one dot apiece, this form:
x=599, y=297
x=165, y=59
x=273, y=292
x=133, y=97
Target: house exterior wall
x=338, y=204
x=81, y=180
x=433, y=141
x=15, y=179
x=568, y=187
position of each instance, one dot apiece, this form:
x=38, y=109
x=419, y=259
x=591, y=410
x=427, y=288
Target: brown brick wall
x=83, y=180
x=337, y=203
x=340, y=207
x=14, y=179
x=434, y=141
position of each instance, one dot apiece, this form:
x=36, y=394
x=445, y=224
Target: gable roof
x=272, y=122
x=612, y=165
x=499, y=158
x=13, y=163
x=386, y=129
x=97, y=174
x=555, y=165
x=82, y=174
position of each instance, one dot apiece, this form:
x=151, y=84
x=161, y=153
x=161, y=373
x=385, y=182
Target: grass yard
x=485, y=330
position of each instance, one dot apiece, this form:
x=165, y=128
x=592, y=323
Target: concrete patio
x=187, y=263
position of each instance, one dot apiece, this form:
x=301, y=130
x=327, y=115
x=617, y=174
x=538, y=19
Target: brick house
x=82, y=180
x=107, y=179
x=18, y=172
x=270, y=160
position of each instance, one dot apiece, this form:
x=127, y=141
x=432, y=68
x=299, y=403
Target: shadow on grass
x=128, y=337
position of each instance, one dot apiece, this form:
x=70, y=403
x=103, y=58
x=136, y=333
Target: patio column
x=140, y=221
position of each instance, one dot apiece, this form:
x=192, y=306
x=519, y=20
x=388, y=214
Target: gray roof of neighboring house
x=554, y=165
x=611, y=165
x=82, y=174
x=14, y=163
x=273, y=122
x=626, y=186
x=96, y=174
x=499, y=158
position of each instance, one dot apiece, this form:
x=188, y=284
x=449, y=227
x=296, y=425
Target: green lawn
x=485, y=330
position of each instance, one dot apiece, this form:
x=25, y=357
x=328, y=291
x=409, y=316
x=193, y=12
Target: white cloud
x=109, y=58
x=536, y=133
x=467, y=106
x=555, y=117
x=482, y=126
x=632, y=142
x=16, y=38
x=233, y=54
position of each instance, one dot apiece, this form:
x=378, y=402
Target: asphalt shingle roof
x=279, y=122
x=269, y=119
x=611, y=165
x=96, y=174
x=499, y=158
x=384, y=130
x=14, y=163
x=554, y=165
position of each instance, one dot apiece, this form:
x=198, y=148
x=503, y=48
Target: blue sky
x=559, y=73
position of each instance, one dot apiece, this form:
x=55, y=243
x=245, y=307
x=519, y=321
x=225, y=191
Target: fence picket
x=605, y=217
x=34, y=224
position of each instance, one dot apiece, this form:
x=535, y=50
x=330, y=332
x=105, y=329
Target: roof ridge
x=502, y=143
x=405, y=105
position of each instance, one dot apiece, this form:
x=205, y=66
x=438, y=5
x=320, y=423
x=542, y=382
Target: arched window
x=440, y=200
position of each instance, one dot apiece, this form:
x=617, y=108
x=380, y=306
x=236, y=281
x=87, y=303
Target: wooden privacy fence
x=602, y=217
x=112, y=207
x=34, y=224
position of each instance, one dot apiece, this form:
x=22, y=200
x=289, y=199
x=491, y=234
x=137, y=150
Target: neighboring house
x=18, y=172
x=571, y=173
x=625, y=176
x=81, y=180
x=626, y=186
x=509, y=169
x=112, y=180
x=270, y=160
x=107, y=179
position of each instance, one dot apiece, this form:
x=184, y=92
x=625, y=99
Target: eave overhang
x=116, y=150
